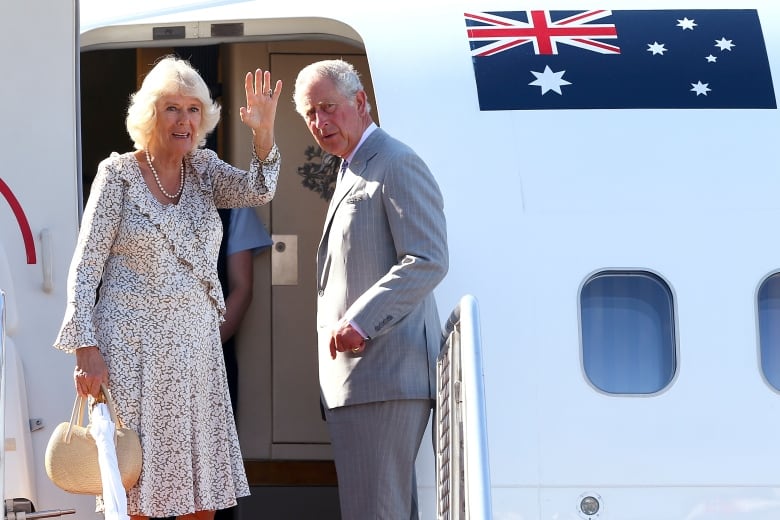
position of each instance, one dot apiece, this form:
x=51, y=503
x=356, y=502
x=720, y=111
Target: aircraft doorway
x=283, y=438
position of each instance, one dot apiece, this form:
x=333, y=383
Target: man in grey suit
x=382, y=253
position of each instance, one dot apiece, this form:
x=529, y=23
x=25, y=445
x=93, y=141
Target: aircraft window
x=628, y=333
x=769, y=329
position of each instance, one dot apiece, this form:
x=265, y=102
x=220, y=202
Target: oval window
x=769, y=329
x=628, y=335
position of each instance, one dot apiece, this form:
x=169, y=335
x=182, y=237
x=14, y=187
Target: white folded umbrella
x=114, y=497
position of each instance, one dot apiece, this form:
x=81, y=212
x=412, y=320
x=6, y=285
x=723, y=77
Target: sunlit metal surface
x=462, y=469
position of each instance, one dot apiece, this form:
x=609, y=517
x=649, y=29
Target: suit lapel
x=356, y=169
x=342, y=188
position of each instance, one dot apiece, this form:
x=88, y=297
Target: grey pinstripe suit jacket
x=382, y=253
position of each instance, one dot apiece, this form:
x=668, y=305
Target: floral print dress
x=157, y=319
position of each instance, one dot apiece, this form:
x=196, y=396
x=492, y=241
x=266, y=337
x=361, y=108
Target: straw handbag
x=72, y=456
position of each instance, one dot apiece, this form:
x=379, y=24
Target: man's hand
x=346, y=339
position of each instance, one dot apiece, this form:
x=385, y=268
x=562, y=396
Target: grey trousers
x=375, y=446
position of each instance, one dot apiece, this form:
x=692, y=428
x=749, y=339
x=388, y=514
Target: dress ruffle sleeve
x=99, y=226
x=233, y=187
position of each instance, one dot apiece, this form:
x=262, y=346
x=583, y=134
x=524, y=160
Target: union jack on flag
x=544, y=33
x=603, y=59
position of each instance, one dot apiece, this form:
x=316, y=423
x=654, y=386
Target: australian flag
x=535, y=60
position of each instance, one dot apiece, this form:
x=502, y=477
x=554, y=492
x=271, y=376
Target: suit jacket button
x=320, y=292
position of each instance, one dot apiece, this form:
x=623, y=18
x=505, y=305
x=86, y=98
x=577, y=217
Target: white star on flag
x=549, y=80
x=656, y=48
x=724, y=44
x=711, y=58
x=700, y=88
x=686, y=24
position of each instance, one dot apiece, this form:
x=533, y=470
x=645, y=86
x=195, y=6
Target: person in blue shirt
x=244, y=237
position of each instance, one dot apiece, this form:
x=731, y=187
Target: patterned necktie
x=344, y=164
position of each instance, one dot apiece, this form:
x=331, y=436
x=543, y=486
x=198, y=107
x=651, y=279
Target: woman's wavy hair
x=171, y=75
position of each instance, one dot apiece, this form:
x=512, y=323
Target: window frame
x=759, y=349
x=673, y=323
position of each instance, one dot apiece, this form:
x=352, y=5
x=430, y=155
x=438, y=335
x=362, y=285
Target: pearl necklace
x=157, y=178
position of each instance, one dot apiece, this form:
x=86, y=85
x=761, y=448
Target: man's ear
x=361, y=102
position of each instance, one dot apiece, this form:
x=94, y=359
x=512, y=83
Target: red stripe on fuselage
x=21, y=218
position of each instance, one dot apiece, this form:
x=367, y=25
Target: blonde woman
x=149, y=240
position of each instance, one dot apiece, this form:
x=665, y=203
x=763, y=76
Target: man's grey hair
x=342, y=74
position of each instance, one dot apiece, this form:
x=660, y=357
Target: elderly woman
x=149, y=240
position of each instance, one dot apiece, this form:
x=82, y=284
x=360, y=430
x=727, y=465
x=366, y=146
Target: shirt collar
x=368, y=131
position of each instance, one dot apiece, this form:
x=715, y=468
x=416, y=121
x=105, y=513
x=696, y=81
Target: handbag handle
x=77, y=415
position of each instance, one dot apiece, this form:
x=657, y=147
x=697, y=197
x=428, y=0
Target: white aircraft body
x=612, y=197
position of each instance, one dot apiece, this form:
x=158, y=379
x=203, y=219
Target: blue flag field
x=538, y=60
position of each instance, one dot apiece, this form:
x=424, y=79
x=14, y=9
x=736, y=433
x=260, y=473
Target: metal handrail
x=462, y=468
